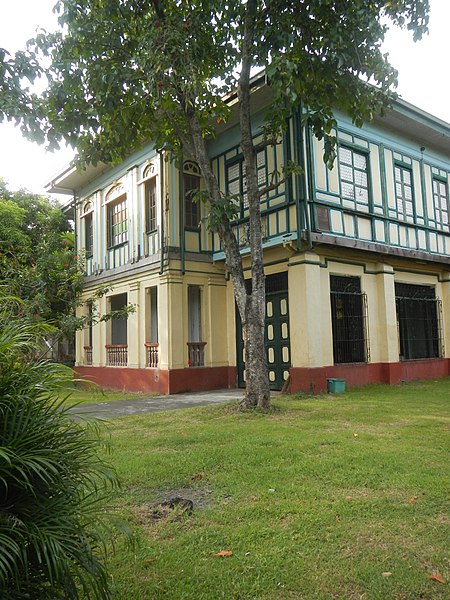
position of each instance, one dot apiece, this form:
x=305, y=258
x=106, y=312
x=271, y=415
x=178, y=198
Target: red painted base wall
x=199, y=379
x=195, y=379
x=315, y=380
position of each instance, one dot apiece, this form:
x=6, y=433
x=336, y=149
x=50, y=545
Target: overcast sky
x=423, y=81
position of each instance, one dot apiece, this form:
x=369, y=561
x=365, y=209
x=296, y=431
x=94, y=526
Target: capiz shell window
x=441, y=204
x=353, y=173
x=404, y=193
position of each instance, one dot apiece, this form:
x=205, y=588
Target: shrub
x=52, y=483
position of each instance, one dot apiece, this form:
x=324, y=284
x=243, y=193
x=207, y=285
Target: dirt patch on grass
x=172, y=504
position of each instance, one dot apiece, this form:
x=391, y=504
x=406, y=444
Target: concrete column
x=386, y=335
x=80, y=341
x=230, y=316
x=215, y=335
x=171, y=324
x=134, y=326
x=309, y=314
x=445, y=286
x=99, y=335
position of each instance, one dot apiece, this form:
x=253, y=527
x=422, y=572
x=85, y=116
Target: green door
x=276, y=333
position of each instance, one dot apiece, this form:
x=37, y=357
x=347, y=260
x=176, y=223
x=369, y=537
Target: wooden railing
x=151, y=351
x=88, y=355
x=116, y=355
x=196, y=354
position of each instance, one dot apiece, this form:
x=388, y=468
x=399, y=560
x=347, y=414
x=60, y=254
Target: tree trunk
x=256, y=380
x=256, y=371
x=251, y=305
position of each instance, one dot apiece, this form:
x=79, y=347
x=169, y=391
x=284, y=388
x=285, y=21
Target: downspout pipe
x=309, y=196
x=303, y=217
x=163, y=215
x=298, y=186
x=181, y=209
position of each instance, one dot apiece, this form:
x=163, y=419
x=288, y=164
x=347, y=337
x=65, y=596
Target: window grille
x=419, y=320
x=274, y=284
x=277, y=283
x=349, y=320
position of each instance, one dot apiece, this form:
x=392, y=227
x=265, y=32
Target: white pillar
x=133, y=328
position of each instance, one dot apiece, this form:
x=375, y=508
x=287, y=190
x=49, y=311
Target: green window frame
x=150, y=204
x=191, y=185
x=89, y=235
x=88, y=226
x=117, y=222
x=441, y=204
x=404, y=193
x=354, y=176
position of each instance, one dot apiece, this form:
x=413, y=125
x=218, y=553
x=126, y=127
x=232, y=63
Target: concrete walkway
x=138, y=406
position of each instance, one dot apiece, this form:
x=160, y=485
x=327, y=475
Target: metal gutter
x=163, y=214
x=181, y=209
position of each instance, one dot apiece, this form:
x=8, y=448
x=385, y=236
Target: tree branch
x=272, y=186
x=272, y=141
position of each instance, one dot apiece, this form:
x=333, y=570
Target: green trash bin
x=335, y=386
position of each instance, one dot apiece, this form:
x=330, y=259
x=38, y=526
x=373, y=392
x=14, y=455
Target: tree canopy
x=125, y=72
x=122, y=73
x=38, y=262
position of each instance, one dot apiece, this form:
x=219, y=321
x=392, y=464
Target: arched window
x=88, y=228
x=150, y=198
x=117, y=216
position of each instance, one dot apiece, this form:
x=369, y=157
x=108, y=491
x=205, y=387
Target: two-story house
x=357, y=260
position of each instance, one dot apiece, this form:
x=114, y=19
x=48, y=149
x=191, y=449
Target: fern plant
x=52, y=482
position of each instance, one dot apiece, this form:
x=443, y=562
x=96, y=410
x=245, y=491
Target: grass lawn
x=342, y=496
x=89, y=394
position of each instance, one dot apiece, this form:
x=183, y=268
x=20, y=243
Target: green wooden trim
x=287, y=156
x=352, y=145
x=311, y=184
x=424, y=191
x=398, y=146
x=281, y=261
x=305, y=262
x=299, y=205
x=438, y=176
x=425, y=273
x=328, y=259
x=380, y=217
